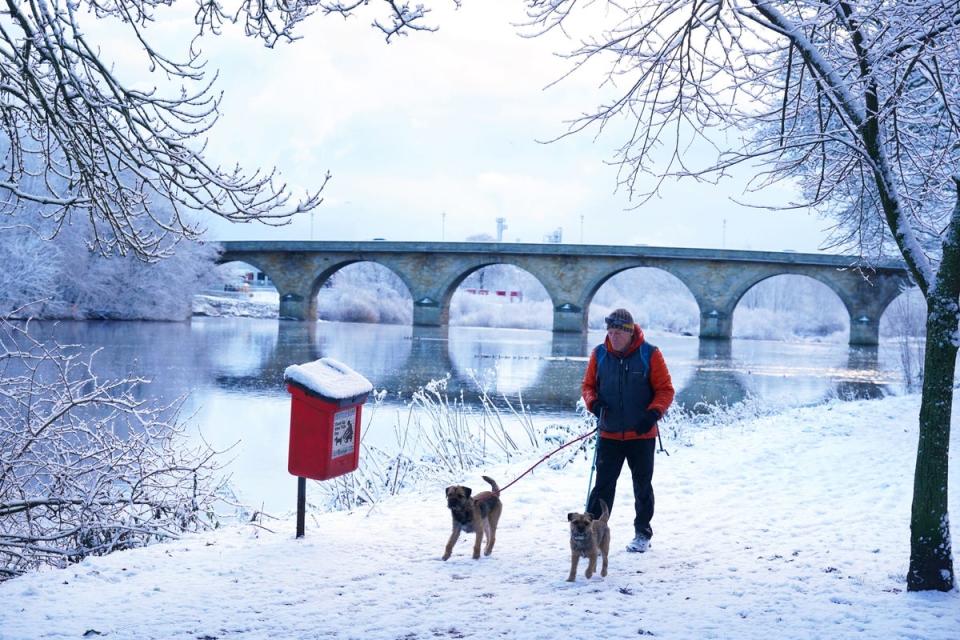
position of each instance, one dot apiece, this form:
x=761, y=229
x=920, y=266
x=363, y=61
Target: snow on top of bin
x=329, y=378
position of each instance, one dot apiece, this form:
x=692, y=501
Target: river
x=231, y=372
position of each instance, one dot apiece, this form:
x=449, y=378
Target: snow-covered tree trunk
x=931, y=561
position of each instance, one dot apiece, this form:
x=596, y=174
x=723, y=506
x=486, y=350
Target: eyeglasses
x=616, y=323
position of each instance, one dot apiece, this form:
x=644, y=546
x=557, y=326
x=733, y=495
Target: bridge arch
x=452, y=286
x=501, y=295
x=363, y=291
x=260, y=265
x=285, y=275
x=316, y=280
x=784, y=306
x=654, y=295
x=905, y=316
x=432, y=301
x=238, y=282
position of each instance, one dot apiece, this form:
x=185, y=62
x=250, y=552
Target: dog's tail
x=605, y=514
x=493, y=483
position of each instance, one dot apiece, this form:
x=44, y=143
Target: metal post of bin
x=301, y=505
x=326, y=401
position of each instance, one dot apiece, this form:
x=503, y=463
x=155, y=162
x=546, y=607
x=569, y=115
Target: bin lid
x=328, y=378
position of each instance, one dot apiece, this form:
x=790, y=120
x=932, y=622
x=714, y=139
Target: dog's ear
x=467, y=491
x=571, y=516
x=448, y=490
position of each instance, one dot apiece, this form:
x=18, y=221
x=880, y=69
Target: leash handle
x=563, y=446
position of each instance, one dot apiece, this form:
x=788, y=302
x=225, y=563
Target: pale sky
x=435, y=135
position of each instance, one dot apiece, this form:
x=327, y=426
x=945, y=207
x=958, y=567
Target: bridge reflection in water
x=545, y=369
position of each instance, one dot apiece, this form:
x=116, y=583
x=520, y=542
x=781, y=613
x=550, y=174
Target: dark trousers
x=639, y=456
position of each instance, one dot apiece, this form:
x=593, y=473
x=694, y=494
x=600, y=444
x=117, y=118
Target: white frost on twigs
x=329, y=378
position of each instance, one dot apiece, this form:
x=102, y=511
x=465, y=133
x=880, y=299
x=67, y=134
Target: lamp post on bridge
x=501, y=225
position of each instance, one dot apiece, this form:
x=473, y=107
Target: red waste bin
x=326, y=401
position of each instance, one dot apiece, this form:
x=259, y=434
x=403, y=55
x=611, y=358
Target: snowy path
x=794, y=526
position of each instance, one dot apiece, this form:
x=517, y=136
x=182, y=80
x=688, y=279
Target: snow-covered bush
x=905, y=316
x=469, y=310
x=438, y=437
x=762, y=324
x=86, y=467
x=682, y=424
x=363, y=305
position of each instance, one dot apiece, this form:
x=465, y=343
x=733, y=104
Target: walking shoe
x=639, y=544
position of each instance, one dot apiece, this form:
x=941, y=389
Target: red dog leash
x=563, y=446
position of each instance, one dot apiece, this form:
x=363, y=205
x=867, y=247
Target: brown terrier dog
x=588, y=537
x=478, y=514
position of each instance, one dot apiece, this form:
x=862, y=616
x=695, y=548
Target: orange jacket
x=659, y=379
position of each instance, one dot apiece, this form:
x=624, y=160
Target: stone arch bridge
x=571, y=275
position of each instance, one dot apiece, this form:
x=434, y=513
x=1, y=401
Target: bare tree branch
x=76, y=139
x=86, y=467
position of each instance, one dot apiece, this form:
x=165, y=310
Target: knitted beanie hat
x=619, y=319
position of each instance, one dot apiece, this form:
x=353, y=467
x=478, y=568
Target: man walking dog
x=628, y=387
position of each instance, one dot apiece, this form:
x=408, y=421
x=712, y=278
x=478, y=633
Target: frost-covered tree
x=28, y=267
x=68, y=279
x=904, y=323
x=82, y=139
x=86, y=465
x=858, y=102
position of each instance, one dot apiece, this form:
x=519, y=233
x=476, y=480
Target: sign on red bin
x=326, y=401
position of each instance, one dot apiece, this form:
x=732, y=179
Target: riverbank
x=235, y=307
x=794, y=525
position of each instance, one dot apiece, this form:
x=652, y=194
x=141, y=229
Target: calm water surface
x=231, y=370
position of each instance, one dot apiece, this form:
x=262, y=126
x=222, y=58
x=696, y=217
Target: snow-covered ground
x=786, y=526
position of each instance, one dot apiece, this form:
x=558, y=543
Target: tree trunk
x=931, y=556
x=931, y=561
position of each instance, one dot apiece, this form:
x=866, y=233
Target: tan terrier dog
x=478, y=514
x=589, y=537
